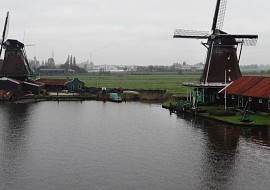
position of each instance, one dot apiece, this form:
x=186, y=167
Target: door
x=240, y=101
x=72, y=88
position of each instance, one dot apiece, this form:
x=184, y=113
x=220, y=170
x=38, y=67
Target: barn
x=57, y=85
x=10, y=84
x=16, y=85
x=250, y=91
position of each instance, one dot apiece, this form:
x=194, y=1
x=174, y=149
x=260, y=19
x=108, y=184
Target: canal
x=96, y=145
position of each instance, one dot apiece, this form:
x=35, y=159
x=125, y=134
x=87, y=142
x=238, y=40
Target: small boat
x=114, y=97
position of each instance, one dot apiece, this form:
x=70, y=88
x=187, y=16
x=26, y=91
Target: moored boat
x=114, y=97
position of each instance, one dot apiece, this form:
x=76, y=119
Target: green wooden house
x=57, y=85
x=74, y=85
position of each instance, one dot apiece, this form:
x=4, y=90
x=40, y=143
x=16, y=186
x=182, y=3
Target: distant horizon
x=149, y=64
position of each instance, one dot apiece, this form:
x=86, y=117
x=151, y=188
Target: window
x=260, y=101
x=79, y=86
x=250, y=99
x=269, y=104
x=232, y=97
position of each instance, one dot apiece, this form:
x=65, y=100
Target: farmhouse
x=57, y=85
x=250, y=91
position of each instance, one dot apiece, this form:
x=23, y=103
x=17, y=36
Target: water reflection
x=13, y=142
x=125, y=146
x=221, y=149
x=257, y=134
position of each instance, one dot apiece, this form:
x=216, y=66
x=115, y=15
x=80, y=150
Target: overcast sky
x=128, y=32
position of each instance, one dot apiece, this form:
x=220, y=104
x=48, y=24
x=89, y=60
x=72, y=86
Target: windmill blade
x=5, y=31
x=246, y=40
x=215, y=16
x=219, y=15
x=4, y=35
x=180, y=33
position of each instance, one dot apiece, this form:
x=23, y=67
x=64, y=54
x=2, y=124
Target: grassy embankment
x=261, y=119
x=256, y=119
x=172, y=82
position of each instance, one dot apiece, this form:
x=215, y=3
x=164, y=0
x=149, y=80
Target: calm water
x=96, y=145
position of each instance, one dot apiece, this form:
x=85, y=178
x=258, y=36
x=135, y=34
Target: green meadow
x=171, y=82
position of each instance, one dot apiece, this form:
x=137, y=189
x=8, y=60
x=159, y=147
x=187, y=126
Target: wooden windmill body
x=222, y=57
x=15, y=63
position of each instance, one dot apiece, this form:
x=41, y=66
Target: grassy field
x=172, y=82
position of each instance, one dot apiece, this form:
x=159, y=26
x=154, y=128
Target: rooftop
x=53, y=81
x=250, y=86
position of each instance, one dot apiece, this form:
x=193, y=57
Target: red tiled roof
x=250, y=86
x=241, y=85
x=61, y=82
x=34, y=82
x=261, y=89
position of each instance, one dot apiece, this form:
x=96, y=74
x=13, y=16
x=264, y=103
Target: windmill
x=15, y=63
x=222, y=59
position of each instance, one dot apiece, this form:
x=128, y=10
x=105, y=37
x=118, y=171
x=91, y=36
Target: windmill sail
x=180, y=33
x=4, y=35
x=221, y=14
x=246, y=40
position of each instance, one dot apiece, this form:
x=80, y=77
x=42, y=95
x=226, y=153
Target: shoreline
x=147, y=96
x=206, y=115
x=126, y=95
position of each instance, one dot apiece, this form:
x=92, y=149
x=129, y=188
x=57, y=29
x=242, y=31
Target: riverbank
x=231, y=116
x=213, y=112
x=96, y=94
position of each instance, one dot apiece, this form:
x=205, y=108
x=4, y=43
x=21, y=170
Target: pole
x=225, y=96
x=203, y=95
x=187, y=93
